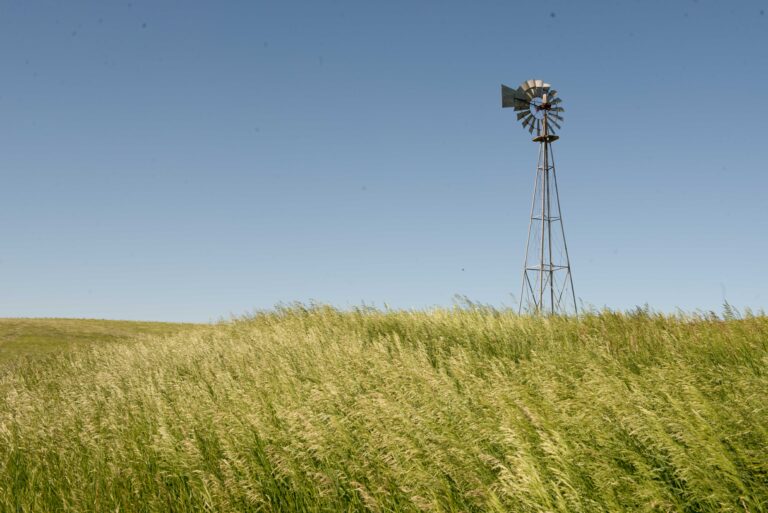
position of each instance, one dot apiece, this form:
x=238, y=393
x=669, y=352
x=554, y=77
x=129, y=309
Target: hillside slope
x=311, y=409
x=38, y=337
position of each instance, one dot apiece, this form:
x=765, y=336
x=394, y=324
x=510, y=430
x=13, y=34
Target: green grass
x=312, y=409
x=40, y=337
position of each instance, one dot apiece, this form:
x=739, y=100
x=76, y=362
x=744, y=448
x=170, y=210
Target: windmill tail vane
x=547, y=281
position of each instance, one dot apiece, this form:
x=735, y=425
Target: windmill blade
x=554, y=122
x=556, y=101
x=521, y=98
x=557, y=109
x=529, y=84
x=531, y=123
x=526, y=93
x=546, y=87
x=552, y=95
x=528, y=118
x=528, y=121
x=539, y=87
x=529, y=87
x=521, y=115
x=522, y=104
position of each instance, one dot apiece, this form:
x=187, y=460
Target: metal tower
x=547, y=286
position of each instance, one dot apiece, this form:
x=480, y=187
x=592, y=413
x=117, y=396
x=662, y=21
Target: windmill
x=547, y=286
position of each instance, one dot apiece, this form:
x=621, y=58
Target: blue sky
x=194, y=160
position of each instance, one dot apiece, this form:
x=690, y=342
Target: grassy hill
x=312, y=409
x=38, y=337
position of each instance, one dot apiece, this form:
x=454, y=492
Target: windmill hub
x=547, y=279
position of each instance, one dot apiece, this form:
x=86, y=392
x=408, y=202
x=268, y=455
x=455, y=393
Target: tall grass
x=313, y=409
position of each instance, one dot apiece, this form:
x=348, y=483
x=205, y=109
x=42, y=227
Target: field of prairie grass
x=472, y=409
x=33, y=338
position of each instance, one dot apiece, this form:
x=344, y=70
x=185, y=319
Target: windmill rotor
x=537, y=106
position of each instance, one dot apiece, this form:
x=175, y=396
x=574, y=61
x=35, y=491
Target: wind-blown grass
x=313, y=409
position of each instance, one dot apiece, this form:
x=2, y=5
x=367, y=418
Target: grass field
x=39, y=337
x=312, y=409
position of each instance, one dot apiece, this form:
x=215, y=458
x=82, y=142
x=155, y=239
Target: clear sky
x=193, y=160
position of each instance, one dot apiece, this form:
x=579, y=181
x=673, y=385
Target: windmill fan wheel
x=534, y=101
